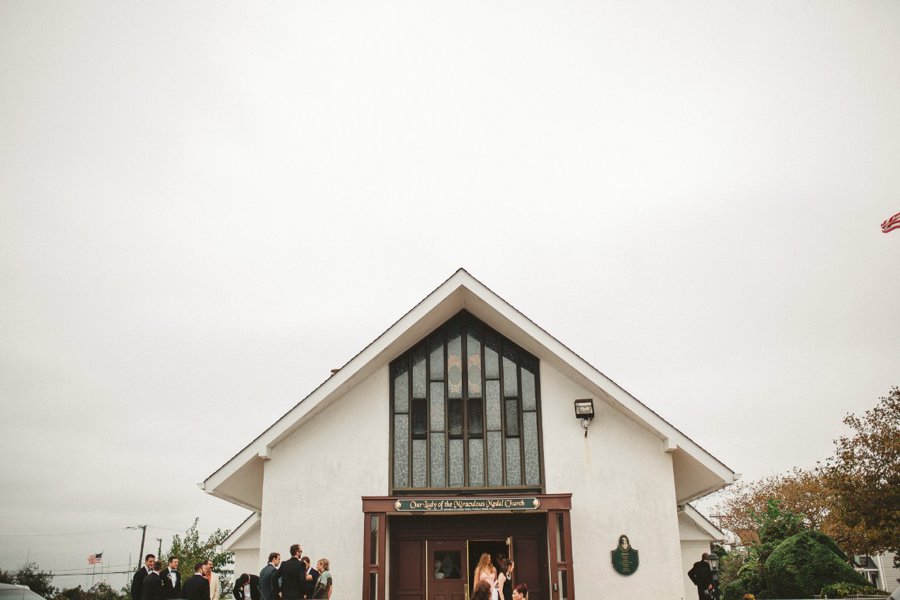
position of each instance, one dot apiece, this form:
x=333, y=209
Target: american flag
x=93, y=559
x=891, y=224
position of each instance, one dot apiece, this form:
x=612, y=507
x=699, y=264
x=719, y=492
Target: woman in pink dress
x=486, y=572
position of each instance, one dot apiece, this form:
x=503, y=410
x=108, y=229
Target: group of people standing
x=159, y=581
x=293, y=579
x=491, y=583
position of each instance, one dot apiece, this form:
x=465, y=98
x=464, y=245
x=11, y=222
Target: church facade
x=465, y=429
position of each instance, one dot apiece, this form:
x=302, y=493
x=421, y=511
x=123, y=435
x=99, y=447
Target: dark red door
x=530, y=566
x=408, y=571
x=447, y=574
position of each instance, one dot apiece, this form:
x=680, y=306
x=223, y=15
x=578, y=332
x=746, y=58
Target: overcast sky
x=205, y=206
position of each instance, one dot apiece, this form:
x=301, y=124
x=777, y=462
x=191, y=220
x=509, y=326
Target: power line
x=89, y=573
x=82, y=569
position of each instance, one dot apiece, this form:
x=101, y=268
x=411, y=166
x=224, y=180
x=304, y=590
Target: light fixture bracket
x=584, y=410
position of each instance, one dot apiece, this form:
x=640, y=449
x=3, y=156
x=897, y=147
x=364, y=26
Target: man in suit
x=268, y=578
x=137, y=582
x=293, y=575
x=701, y=575
x=171, y=579
x=246, y=587
x=197, y=587
x=312, y=576
x=212, y=577
x=152, y=586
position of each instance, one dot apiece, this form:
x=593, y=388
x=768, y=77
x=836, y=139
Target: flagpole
x=93, y=570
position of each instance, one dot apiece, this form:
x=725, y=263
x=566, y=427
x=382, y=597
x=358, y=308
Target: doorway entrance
x=434, y=557
x=496, y=549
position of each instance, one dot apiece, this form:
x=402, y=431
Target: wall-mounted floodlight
x=584, y=410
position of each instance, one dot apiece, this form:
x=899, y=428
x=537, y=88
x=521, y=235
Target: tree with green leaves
x=30, y=574
x=191, y=550
x=789, y=560
x=854, y=498
x=99, y=591
x=803, y=564
x=773, y=526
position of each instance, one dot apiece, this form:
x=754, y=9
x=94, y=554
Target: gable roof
x=242, y=532
x=703, y=525
x=697, y=472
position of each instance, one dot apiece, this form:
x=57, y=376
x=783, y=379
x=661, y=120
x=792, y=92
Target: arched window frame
x=465, y=413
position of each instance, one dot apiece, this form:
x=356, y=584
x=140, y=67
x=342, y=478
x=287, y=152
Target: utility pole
x=159, y=552
x=143, y=529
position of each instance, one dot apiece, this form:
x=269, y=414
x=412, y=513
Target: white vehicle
x=12, y=591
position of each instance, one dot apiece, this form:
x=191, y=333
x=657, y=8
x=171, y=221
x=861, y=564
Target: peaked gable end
x=697, y=472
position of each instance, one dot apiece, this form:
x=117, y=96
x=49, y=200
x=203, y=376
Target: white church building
x=466, y=428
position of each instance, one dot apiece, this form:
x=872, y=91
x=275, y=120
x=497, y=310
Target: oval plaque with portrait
x=624, y=557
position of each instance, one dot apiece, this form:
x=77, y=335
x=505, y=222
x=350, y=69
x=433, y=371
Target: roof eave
x=462, y=290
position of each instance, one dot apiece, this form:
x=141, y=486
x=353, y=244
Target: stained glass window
x=465, y=404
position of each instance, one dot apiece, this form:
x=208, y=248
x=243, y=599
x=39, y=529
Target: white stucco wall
x=694, y=542
x=316, y=477
x=246, y=553
x=245, y=561
x=620, y=478
x=691, y=551
x=621, y=482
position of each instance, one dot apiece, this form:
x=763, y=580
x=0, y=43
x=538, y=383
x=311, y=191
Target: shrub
x=844, y=589
x=805, y=563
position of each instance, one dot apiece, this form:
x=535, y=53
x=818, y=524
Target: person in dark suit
x=137, y=582
x=152, y=586
x=196, y=587
x=268, y=578
x=242, y=584
x=293, y=575
x=171, y=579
x=312, y=576
x=701, y=575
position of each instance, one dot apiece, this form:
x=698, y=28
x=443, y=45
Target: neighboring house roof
x=242, y=531
x=700, y=521
x=697, y=472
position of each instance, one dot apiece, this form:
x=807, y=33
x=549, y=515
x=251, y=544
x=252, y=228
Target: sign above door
x=440, y=505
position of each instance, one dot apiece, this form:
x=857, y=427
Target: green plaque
x=624, y=557
x=432, y=505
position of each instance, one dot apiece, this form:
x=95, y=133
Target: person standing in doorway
x=485, y=571
x=293, y=575
x=504, y=580
x=701, y=575
x=268, y=578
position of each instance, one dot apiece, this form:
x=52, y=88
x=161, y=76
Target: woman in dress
x=486, y=572
x=324, y=585
x=504, y=580
x=520, y=592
